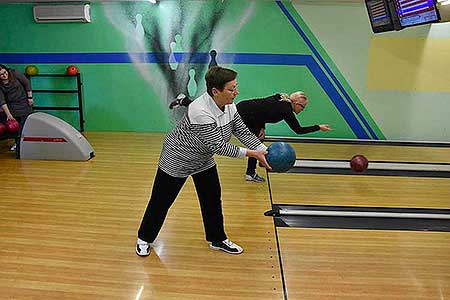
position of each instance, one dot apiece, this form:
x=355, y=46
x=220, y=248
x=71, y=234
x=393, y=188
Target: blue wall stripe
x=203, y=58
x=264, y=59
x=149, y=57
x=327, y=68
x=337, y=100
x=79, y=58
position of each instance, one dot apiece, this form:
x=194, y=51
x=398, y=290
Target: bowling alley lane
x=369, y=191
x=361, y=166
x=336, y=149
x=380, y=188
x=364, y=264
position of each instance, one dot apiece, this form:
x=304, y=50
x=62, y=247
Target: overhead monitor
x=379, y=15
x=416, y=12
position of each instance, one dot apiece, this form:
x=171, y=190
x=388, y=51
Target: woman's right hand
x=260, y=155
x=10, y=117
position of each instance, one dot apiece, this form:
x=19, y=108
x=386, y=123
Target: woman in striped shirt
x=256, y=113
x=188, y=150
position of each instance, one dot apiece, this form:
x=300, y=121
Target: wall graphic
x=181, y=35
x=136, y=57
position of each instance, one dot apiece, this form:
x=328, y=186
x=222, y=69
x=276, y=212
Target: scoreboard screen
x=379, y=15
x=415, y=12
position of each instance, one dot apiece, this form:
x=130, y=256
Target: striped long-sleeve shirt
x=204, y=130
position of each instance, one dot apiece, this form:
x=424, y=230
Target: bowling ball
x=72, y=70
x=359, y=163
x=281, y=157
x=2, y=129
x=12, y=126
x=31, y=70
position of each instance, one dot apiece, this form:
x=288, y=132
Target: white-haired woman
x=256, y=113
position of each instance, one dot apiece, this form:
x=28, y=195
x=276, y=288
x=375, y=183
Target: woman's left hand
x=30, y=102
x=325, y=127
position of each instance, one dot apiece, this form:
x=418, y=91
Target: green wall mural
x=136, y=57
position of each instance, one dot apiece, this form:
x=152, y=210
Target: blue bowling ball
x=281, y=157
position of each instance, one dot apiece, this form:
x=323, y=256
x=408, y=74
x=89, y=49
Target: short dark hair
x=217, y=77
x=10, y=74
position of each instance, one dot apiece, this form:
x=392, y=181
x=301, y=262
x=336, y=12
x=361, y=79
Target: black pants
x=164, y=192
x=251, y=163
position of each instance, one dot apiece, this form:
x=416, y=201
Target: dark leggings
x=164, y=192
x=251, y=163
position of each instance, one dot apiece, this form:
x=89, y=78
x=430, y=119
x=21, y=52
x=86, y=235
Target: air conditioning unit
x=62, y=13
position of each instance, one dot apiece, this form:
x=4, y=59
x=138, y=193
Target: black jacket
x=14, y=94
x=257, y=112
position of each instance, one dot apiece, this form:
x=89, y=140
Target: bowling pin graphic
x=178, y=46
x=139, y=32
x=213, y=62
x=172, y=60
x=192, y=84
x=174, y=48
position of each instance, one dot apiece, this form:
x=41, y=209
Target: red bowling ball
x=12, y=126
x=359, y=163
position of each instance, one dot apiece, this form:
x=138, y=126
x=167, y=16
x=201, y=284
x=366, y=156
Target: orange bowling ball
x=72, y=70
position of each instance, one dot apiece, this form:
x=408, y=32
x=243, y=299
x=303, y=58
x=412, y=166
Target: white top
x=203, y=131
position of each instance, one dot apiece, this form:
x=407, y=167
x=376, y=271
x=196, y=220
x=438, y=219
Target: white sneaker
x=255, y=177
x=143, y=248
x=13, y=147
x=226, y=246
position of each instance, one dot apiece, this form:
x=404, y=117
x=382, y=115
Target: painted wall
x=135, y=57
x=401, y=77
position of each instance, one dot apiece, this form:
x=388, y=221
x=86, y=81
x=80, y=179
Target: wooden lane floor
x=362, y=264
x=372, y=191
x=68, y=230
x=373, y=152
x=341, y=263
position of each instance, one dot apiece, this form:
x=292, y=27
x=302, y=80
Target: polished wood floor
x=68, y=229
x=373, y=152
x=349, y=190
x=362, y=264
